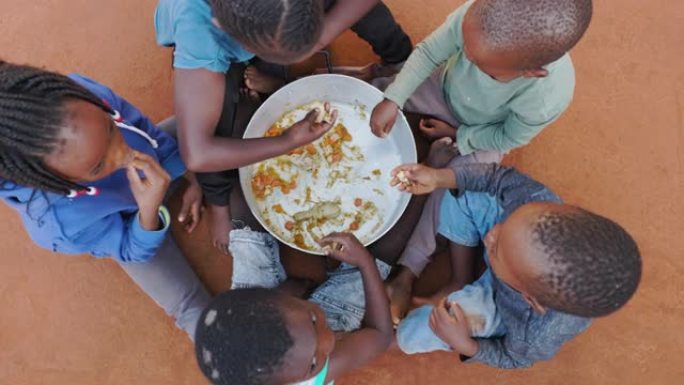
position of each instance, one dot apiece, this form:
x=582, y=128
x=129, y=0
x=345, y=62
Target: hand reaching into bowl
x=309, y=129
x=419, y=179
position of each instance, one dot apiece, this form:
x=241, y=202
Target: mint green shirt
x=493, y=115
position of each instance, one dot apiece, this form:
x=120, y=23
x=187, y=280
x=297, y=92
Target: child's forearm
x=341, y=16
x=217, y=154
x=378, y=314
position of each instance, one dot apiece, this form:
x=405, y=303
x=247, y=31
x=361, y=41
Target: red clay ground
x=75, y=320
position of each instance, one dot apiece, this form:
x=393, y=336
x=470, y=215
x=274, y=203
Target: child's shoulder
x=550, y=95
x=182, y=11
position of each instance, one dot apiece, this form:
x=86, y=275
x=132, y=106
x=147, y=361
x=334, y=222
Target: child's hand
x=346, y=247
x=148, y=190
x=307, y=130
x=449, y=323
x=415, y=178
x=191, y=207
x=436, y=129
x=383, y=117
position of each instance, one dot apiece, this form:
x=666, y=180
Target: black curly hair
x=31, y=117
x=541, y=31
x=594, y=265
x=242, y=337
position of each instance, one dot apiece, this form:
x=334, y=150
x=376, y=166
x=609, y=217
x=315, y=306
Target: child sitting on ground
x=492, y=76
x=550, y=266
x=219, y=77
x=256, y=334
x=504, y=76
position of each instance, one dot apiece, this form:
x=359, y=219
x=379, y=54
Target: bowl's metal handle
x=328, y=59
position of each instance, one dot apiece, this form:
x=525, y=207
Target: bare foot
x=260, y=82
x=441, y=152
x=434, y=128
x=220, y=226
x=366, y=73
x=399, y=293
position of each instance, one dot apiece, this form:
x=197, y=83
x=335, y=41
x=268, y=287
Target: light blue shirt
x=187, y=26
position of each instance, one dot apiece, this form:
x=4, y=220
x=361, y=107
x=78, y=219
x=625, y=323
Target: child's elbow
x=195, y=162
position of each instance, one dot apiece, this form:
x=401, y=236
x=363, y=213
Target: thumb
x=311, y=115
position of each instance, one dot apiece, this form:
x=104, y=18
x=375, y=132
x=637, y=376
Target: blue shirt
x=104, y=224
x=487, y=195
x=187, y=26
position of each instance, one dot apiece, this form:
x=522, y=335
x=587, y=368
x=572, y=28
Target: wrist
x=368, y=262
x=469, y=348
x=149, y=218
x=190, y=177
x=445, y=178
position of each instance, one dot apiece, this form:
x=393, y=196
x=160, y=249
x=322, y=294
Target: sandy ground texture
x=616, y=151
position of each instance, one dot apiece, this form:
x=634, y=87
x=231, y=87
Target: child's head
x=507, y=39
x=262, y=336
x=565, y=258
x=54, y=134
x=279, y=31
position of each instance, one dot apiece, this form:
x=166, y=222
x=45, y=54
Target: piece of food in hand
x=322, y=210
x=333, y=246
x=323, y=115
x=403, y=179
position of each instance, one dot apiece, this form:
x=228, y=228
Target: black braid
x=290, y=25
x=31, y=117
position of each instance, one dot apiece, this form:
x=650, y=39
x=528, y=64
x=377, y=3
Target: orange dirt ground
x=76, y=320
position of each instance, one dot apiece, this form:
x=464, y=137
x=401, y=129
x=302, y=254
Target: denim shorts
x=256, y=263
x=414, y=334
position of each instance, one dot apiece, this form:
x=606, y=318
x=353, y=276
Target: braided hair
x=31, y=117
x=290, y=25
x=242, y=337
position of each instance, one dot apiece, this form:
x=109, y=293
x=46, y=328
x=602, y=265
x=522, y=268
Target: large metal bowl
x=397, y=148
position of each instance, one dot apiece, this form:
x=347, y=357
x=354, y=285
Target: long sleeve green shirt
x=493, y=115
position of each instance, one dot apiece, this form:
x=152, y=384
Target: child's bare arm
x=199, y=102
x=358, y=348
x=340, y=17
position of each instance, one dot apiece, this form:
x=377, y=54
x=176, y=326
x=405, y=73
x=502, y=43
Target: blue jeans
x=256, y=263
x=414, y=334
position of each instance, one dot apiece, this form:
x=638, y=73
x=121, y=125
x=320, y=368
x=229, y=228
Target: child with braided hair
x=88, y=173
x=223, y=52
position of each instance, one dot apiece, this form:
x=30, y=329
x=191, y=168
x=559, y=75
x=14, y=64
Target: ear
x=535, y=73
x=536, y=306
x=216, y=23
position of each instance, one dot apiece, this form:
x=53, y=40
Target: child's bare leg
x=462, y=270
x=366, y=73
x=220, y=226
x=399, y=290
